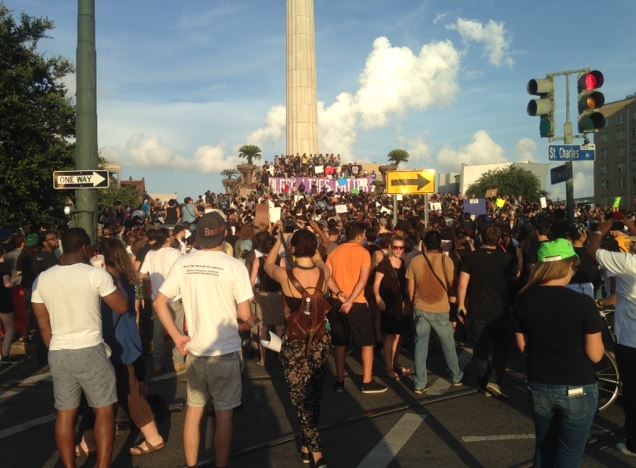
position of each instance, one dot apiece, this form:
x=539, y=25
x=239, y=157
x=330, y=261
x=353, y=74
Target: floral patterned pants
x=305, y=376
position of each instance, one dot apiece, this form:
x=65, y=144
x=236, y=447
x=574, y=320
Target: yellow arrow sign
x=410, y=182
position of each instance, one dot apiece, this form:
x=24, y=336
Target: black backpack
x=308, y=327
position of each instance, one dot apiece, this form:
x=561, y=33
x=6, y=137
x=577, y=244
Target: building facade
x=615, y=164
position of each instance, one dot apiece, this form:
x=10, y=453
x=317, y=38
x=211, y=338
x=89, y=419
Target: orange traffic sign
x=410, y=182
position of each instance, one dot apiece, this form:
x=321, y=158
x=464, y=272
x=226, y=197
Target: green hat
x=32, y=240
x=560, y=249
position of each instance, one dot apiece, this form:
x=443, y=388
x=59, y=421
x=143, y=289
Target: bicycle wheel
x=609, y=381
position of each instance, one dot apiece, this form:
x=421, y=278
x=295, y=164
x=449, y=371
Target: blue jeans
x=583, y=288
x=439, y=322
x=562, y=423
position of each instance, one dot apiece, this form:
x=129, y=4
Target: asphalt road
x=446, y=427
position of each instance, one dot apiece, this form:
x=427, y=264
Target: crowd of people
x=312, y=165
x=210, y=272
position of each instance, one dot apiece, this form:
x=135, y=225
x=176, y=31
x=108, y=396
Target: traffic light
x=544, y=106
x=590, y=100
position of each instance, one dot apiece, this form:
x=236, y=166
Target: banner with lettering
x=290, y=184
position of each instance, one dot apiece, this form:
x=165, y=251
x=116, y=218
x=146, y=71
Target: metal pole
x=86, y=124
x=567, y=133
x=426, y=210
x=395, y=210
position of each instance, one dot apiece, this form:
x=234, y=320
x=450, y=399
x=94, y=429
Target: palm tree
x=249, y=152
x=398, y=156
x=229, y=173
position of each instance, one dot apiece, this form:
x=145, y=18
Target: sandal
x=83, y=452
x=145, y=448
x=393, y=374
x=402, y=370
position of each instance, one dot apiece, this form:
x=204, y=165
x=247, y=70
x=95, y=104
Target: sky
x=181, y=85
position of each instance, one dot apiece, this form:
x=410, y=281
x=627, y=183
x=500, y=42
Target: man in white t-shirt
x=156, y=265
x=216, y=290
x=66, y=303
x=623, y=266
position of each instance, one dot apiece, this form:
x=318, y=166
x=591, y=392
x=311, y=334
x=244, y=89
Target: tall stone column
x=302, y=113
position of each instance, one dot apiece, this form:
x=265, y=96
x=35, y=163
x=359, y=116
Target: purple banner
x=281, y=184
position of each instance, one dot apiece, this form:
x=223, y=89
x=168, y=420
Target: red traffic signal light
x=590, y=100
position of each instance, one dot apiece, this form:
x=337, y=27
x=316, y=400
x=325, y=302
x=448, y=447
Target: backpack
x=308, y=327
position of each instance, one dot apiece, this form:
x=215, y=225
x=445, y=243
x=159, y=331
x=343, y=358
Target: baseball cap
x=560, y=249
x=32, y=240
x=210, y=230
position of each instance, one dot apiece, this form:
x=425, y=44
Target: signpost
x=560, y=174
x=84, y=179
x=410, y=182
x=571, y=153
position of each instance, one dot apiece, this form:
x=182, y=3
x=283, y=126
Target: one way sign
x=87, y=179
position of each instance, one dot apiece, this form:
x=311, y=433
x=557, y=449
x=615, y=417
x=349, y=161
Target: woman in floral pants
x=304, y=368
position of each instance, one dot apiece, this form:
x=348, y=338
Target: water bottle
x=307, y=307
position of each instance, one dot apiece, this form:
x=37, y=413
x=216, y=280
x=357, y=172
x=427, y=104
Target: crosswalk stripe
x=385, y=450
x=26, y=425
x=497, y=437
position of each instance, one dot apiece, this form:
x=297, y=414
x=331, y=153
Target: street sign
x=571, y=153
x=410, y=182
x=83, y=179
x=560, y=174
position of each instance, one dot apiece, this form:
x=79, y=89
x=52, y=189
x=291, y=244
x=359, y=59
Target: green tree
x=398, y=156
x=510, y=181
x=229, y=173
x=250, y=152
x=37, y=121
x=127, y=195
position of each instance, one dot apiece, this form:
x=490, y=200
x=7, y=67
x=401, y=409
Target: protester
x=66, y=303
x=303, y=361
x=623, y=266
x=6, y=309
x=156, y=265
x=431, y=289
x=216, y=290
x=484, y=286
x=561, y=332
x=350, y=318
x=389, y=290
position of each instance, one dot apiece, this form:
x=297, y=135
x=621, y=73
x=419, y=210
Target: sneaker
x=373, y=387
x=339, y=387
x=305, y=457
x=421, y=391
x=622, y=448
x=320, y=463
x=495, y=390
x=457, y=384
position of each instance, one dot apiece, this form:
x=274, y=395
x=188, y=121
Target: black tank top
x=171, y=215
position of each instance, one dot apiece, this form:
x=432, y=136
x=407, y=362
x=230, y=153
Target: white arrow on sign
x=97, y=179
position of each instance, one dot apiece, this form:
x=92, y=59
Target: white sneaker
x=621, y=447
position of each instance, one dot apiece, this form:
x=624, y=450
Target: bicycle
x=607, y=374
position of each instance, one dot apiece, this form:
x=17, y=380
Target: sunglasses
x=397, y=247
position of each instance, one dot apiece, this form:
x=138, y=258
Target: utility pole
x=86, y=108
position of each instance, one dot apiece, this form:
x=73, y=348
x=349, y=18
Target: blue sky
x=183, y=84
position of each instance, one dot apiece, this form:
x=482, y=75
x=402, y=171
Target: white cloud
x=526, y=150
x=481, y=150
x=69, y=82
x=274, y=129
x=491, y=35
x=151, y=152
x=395, y=80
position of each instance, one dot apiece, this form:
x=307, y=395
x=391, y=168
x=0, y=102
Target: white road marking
x=26, y=426
x=384, y=452
x=8, y=394
x=497, y=437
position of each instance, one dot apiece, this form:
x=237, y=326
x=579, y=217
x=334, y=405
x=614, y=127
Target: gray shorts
x=216, y=379
x=88, y=370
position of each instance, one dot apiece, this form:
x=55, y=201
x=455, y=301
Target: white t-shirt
x=623, y=266
x=71, y=294
x=157, y=264
x=211, y=284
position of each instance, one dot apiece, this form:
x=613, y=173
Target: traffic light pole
x=567, y=138
x=86, y=108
